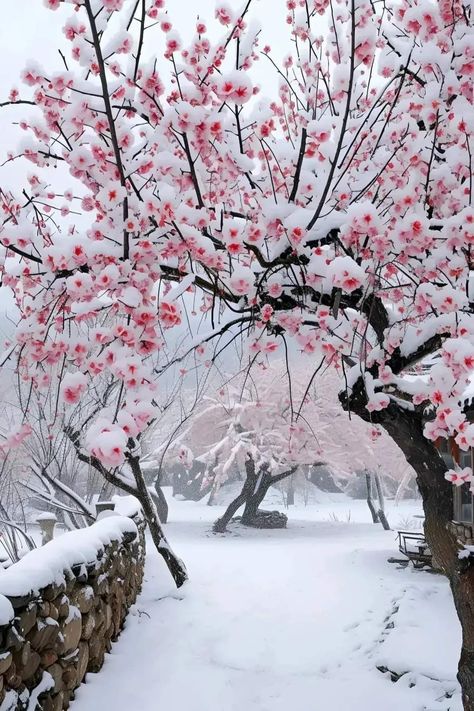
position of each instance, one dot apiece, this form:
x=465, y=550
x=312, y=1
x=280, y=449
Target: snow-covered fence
x=61, y=607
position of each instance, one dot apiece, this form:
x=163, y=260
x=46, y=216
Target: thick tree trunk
x=438, y=506
x=406, y=429
x=254, y=501
x=220, y=525
x=462, y=585
x=253, y=492
x=174, y=564
x=247, y=489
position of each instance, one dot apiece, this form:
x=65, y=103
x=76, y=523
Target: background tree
x=263, y=426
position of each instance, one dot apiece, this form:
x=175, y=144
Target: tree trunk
x=253, y=492
x=247, y=489
x=161, y=503
x=220, y=525
x=290, y=494
x=381, y=510
x=406, y=429
x=370, y=503
x=437, y=498
x=462, y=585
x=256, y=497
x=173, y=563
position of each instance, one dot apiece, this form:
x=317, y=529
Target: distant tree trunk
x=255, y=498
x=381, y=510
x=212, y=496
x=290, y=494
x=253, y=492
x=370, y=503
x=247, y=488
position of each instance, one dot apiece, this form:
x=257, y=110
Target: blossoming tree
x=265, y=425
x=338, y=212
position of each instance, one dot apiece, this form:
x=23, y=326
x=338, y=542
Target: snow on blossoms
x=234, y=86
x=73, y=385
x=108, y=442
x=15, y=437
x=336, y=211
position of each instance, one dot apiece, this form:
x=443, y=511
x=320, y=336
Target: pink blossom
x=224, y=14
x=109, y=446
x=169, y=314
x=72, y=387
x=460, y=477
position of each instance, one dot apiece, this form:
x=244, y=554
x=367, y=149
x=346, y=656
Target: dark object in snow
x=413, y=544
x=101, y=506
x=402, y=562
x=378, y=515
x=188, y=483
x=322, y=477
x=265, y=519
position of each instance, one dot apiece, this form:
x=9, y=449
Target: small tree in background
x=264, y=426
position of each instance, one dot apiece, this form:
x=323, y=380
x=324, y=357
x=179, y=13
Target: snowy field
x=303, y=619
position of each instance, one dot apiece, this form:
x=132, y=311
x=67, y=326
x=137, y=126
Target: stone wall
x=464, y=532
x=61, y=607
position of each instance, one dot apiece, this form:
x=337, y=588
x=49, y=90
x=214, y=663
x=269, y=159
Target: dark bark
x=263, y=482
x=320, y=476
x=383, y=520
x=370, y=503
x=405, y=427
x=247, y=488
x=221, y=524
x=173, y=563
x=256, y=497
x=253, y=492
x=381, y=510
x=161, y=503
x=462, y=586
x=188, y=482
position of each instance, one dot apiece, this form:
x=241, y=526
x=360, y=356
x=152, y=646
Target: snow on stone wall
x=61, y=607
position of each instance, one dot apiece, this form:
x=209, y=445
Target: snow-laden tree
x=249, y=427
x=265, y=425
x=338, y=212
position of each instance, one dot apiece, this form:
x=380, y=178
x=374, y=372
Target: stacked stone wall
x=52, y=635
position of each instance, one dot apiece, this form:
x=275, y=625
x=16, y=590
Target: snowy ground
x=291, y=620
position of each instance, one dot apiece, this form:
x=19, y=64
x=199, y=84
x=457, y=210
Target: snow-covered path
x=294, y=620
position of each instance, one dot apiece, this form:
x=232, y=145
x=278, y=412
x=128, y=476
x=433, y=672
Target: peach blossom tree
x=337, y=212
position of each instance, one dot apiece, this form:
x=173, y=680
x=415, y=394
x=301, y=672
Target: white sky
x=29, y=31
